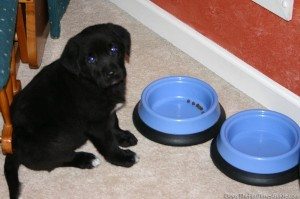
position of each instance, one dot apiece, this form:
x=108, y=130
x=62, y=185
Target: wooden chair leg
x=13, y=85
x=21, y=33
x=7, y=126
x=9, y=91
x=31, y=34
x=15, y=61
x=36, y=29
x=6, y=97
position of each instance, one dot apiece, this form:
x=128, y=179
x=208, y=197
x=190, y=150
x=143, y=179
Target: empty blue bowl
x=259, y=147
x=178, y=107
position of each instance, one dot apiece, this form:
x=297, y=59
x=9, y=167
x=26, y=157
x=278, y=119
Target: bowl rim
x=166, y=80
x=229, y=122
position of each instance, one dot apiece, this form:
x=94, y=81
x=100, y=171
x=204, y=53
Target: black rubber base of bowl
x=177, y=140
x=248, y=177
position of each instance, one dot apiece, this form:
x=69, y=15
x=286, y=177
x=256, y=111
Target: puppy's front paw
x=126, y=139
x=124, y=158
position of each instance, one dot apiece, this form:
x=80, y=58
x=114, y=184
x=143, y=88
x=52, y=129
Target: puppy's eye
x=113, y=50
x=91, y=59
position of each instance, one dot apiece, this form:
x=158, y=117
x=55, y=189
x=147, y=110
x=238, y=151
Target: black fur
x=71, y=101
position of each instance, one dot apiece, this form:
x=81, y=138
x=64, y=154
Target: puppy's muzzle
x=114, y=77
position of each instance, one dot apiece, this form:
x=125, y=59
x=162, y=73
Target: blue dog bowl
x=258, y=147
x=179, y=110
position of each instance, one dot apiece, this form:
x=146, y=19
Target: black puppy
x=70, y=101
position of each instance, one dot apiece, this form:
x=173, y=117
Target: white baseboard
x=229, y=67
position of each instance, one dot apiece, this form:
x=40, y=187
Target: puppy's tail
x=11, y=168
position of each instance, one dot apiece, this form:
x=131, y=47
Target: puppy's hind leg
x=124, y=138
x=51, y=161
x=11, y=168
x=83, y=160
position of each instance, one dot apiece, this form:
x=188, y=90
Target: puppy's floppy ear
x=123, y=35
x=70, y=56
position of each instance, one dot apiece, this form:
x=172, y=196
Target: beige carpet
x=163, y=171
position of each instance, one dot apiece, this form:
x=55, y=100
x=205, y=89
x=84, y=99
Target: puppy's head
x=98, y=54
